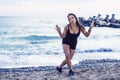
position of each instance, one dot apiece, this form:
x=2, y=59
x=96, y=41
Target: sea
x=34, y=41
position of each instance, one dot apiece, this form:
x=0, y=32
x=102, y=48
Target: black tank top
x=70, y=39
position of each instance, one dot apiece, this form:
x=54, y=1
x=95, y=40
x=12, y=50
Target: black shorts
x=72, y=44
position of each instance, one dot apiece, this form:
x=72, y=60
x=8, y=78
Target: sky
x=59, y=8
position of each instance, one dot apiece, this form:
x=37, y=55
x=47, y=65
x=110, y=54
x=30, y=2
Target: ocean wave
x=36, y=37
x=96, y=37
x=96, y=50
x=3, y=33
x=37, y=42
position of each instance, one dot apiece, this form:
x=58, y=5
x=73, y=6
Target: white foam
x=51, y=60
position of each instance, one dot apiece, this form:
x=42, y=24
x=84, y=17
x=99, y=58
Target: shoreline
x=88, y=69
x=81, y=64
x=42, y=60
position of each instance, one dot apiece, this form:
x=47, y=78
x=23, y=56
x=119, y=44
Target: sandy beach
x=105, y=69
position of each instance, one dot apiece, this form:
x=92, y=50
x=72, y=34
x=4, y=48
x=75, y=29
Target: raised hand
x=58, y=28
x=92, y=25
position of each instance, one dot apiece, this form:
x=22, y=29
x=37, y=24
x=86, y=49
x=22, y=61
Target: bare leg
x=69, y=53
x=72, y=52
x=71, y=56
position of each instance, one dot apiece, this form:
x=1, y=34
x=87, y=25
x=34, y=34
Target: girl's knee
x=68, y=58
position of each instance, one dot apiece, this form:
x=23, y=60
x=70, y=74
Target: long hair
x=77, y=22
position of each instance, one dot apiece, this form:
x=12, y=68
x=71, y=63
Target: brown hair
x=77, y=22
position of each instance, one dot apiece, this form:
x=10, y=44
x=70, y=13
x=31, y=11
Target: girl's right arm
x=62, y=35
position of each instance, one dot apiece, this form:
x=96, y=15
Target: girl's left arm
x=87, y=33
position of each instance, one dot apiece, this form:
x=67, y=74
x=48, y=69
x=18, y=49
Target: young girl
x=69, y=40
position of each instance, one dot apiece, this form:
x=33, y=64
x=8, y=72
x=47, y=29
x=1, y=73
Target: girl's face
x=72, y=19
